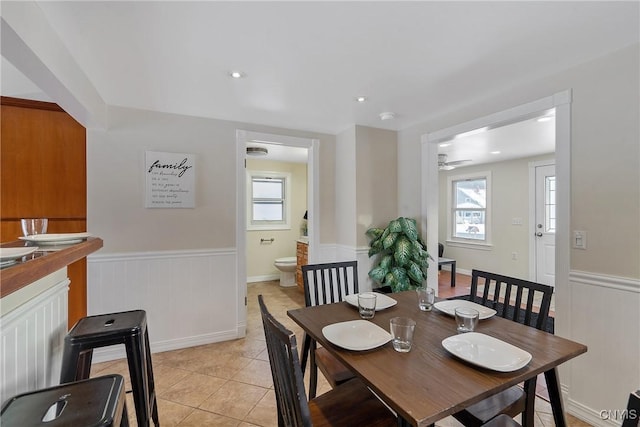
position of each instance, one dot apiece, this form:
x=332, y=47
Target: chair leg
x=529, y=406
x=555, y=397
x=313, y=370
x=136, y=355
x=151, y=382
x=76, y=364
x=304, y=354
x=124, y=421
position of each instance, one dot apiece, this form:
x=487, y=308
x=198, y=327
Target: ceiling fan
x=447, y=166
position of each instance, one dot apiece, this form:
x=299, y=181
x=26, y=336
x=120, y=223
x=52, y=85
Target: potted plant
x=402, y=257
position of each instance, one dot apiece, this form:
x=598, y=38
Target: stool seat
x=128, y=328
x=90, y=403
x=107, y=328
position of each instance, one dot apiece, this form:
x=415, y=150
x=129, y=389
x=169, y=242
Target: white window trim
x=286, y=225
x=470, y=243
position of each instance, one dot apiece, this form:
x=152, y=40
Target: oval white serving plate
x=487, y=352
x=449, y=307
x=382, y=301
x=11, y=254
x=356, y=335
x=57, y=239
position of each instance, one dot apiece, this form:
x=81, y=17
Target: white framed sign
x=169, y=180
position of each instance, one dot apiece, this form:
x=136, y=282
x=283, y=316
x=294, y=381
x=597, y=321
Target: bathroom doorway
x=269, y=227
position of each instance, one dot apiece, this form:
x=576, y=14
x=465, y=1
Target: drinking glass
x=426, y=298
x=367, y=305
x=402, y=332
x=466, y=319
x=31, y=226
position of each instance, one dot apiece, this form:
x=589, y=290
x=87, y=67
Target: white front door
x=545, y=224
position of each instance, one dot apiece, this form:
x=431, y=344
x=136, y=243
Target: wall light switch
x=580, y=239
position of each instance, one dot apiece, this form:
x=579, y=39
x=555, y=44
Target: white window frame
x=460, y=241
x=269, y=225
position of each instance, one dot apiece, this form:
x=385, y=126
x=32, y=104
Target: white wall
x=115, y=190
x=376, y=180
x=605, y=201
x=346, y=187
x=177, y=261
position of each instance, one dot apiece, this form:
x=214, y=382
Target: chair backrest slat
x=497, y=294
x=329, y=282
x=291, y=398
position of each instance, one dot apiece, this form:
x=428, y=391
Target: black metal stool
x=89, y=403
x=128, y=328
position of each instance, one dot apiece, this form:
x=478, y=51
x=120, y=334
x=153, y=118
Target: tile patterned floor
x=229, y=383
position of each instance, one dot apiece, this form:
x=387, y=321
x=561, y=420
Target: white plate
x=487, y=352
x=12, y=254
x=449, y=307
x=57, y=239
x=382, y=301
x=356, y=335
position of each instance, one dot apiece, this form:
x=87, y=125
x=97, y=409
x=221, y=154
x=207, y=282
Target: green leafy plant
x=401, y=256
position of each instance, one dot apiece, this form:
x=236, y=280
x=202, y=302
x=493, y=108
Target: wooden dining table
x=428, y=383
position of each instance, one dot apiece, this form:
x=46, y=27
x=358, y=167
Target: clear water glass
x=426, y=298
x=367, y=305
x=402, y=329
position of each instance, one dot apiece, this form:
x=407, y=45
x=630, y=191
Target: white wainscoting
x=191, y=297
x=605, y=316
x=32, y=340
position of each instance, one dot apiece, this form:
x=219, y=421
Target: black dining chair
x=326, y=284
x=349, y=404
x=524, y=302
x=632, y=415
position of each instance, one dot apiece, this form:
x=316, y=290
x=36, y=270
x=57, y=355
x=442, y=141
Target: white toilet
x=287, y=267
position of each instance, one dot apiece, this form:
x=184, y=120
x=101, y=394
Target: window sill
x=470, y=245
x=268, y=227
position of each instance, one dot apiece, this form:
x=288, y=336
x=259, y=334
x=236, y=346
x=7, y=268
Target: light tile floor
x=229, y=383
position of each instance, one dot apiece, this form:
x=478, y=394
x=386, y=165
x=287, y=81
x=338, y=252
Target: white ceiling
x=305, y=62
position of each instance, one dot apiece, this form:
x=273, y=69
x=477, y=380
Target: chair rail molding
x=198, y=288
x=605, y=317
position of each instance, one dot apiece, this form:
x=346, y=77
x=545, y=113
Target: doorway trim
x=313, y=203
x=561, y=101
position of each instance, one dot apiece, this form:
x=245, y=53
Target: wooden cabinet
x=302, y=258
x=44, y=175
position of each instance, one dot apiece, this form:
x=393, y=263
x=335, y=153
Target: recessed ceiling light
x=444, y=144
x=387, y=115
x=237, y=74
x=361, y=98
x=495, y=152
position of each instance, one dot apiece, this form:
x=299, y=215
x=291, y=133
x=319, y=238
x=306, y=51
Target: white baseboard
x=118, y=352
x=264, y=278
x=589, y=415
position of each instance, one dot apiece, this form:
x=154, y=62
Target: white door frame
x=561, y=101
x=532, y=215
x=313, y=203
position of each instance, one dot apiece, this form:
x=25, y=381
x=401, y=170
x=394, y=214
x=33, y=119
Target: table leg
x=453, y=274
x=402, y=422
x=555, y=397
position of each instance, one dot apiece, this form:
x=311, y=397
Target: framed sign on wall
x=169, y=180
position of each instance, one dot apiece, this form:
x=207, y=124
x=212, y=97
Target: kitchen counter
x=33, y=310
x=46, y=260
